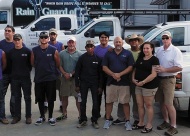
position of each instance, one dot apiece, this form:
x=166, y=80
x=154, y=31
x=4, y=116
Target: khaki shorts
x=67, y=87
x=165, y=91
x=145, y=92
x=113, y=93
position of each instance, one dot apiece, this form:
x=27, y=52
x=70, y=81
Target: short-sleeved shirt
x=68, y=61
x=58, y=45
x=144, y=69
x=101, y=51
x=117, y=63
x=169, y=58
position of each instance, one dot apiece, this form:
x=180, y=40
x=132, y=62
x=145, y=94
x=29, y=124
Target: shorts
x=144, y=91
x=67, y=87
x=46, y=88
x=165, y=91
x=115, y=93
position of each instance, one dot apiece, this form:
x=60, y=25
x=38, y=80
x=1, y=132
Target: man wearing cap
x=88, y=73
x=171, y=59
x=118, y=64
x=45, y=59
x=59, y=46
x=21, y=67
x=68, y=60
x=134, y=41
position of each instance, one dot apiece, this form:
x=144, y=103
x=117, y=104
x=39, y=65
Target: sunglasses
x=165, y=38
x=43, y=37
x=8, y=31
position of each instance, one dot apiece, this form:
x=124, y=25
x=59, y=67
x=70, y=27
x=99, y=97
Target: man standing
x=6, y=45
x=100, y=51
x=117, y=65
x=134, y=41
x=21, y=67
x=59, y=46
x=171, y=59
x=45, y=60
x=88, y=75
x=68, y=60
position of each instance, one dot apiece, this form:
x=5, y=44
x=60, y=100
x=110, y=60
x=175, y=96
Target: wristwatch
x=70, y=75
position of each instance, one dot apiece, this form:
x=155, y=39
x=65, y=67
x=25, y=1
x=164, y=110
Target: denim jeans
x=6, y=82
x=84, y=93
x=24, y=84
x=2, y=101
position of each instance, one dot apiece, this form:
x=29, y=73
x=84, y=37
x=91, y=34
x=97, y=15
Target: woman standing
x=145, y=78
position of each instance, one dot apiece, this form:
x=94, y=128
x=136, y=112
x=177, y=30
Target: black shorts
x=46, y=88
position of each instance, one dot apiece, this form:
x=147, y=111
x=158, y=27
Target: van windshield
x=84, y=27
x=149, y=32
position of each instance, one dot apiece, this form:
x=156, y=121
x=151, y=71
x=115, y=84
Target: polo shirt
x=68, y=61
x=168, y=58
x=117, y=63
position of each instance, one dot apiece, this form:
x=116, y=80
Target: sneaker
x=28, y=120
x=15, y=120
x=135, y=123
x=111, y=118
x=45, y=109
x=82, y=124
x=163, y=126
x=118, y=122
x=95, y=125
x=52, y=121
x=128, y=126
x=171, y=131
x=40, y=121
x=4, y=121
x=107, y=124
x=62, y=117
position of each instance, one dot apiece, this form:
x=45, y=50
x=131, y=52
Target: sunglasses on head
x=43, y=37
x=165, y=38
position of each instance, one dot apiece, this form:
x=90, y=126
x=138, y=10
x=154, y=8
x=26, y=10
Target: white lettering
x=24, y=12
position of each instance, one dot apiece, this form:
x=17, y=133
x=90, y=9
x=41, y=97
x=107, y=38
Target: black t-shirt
x=144, y=69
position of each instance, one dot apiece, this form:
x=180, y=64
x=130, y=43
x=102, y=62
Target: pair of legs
x=84, y=93
x=145, y=98
x=120, y=112
x=25, y=85
x=48, y=89
x=6, y=82
x=165, y=96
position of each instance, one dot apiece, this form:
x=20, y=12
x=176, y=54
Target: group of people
x=116, y=72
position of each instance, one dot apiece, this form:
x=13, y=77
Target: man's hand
x=67, y=76
x=77, y=89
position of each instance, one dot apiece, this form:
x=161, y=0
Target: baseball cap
x=43, y=34
x=166, y=33
x=90, y=42
x=71, y=39
x=52, y=30
x=17, y=36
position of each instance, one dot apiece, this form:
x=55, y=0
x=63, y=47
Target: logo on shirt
x=49, y=55
x=24, y=54
x=124, y=56
x=95, y=62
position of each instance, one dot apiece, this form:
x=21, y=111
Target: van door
x=4, y=18
x=39, y=26
x=93, y=33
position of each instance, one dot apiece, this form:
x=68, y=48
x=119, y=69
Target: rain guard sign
x=29, y=10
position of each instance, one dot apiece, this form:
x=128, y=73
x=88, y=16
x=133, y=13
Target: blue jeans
x=6, y=82
x=84, y=93
x=24, y=84
x=2, y=101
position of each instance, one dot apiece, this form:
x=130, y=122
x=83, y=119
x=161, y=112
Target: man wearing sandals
x=171, y=60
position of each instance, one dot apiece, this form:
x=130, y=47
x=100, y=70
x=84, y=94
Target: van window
x=45, y=24
x=103, y=26
x=177, y=36
x=3, y=17
x=65, y=23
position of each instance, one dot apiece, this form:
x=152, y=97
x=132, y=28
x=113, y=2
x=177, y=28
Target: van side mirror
x=90, y=33
x=33, y=28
